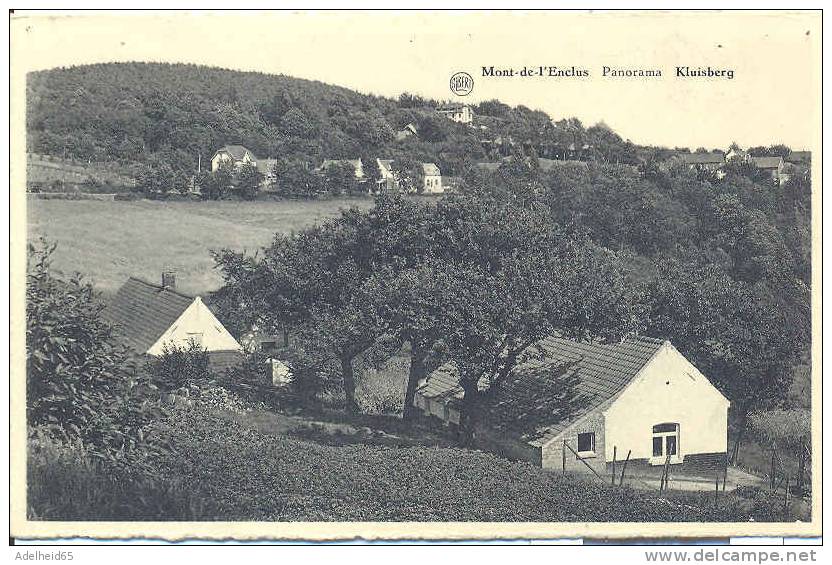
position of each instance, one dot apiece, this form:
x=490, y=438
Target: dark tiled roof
x=602, y=370
x=767, y=162
x=141, y=312
x=702, y=158
x=236, y=151
x=430, y=169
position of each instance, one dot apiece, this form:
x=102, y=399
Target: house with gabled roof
x=148, y=318
x=431, y=177
x=773, y=165
x=232, y=156
x=704, y=161
x=640, y=399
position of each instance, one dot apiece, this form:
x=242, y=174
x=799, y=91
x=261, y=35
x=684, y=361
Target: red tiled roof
x=602, y=370
x=141, y=312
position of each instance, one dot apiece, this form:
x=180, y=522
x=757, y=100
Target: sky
x=774, y=96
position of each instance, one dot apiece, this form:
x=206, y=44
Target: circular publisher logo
x=462, y=84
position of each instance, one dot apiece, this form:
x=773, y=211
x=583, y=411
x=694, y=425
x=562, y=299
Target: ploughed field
x=110, y=241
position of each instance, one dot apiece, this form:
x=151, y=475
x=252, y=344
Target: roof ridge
x=160, y=287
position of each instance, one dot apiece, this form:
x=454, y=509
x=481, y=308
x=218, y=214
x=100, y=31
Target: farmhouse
x=640, y=396
x=148, y=317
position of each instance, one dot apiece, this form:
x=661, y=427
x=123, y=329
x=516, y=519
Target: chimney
x=169, y=280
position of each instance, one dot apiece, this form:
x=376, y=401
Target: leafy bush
x=180, y=367
x=81, y=384
x=66, y=483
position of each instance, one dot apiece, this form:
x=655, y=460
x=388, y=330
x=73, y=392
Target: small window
x=195, y=337
x=586, y=442
x=666, y=441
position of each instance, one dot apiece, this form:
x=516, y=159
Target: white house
x=640, y=396
x=148, y=317
x=232, y=155
x=236, y=156
x=460, y=113
x=431, y=181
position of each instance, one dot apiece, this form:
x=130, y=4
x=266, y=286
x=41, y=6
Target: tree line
x=478, y=278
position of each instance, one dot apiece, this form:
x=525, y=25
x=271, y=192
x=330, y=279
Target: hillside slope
x=150, y=112
x=146, y=111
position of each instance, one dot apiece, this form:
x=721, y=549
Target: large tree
x=735, y=332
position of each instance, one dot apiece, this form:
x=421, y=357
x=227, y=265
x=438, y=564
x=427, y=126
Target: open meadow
x=111, y=241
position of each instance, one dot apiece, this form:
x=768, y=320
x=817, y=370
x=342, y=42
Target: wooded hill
x=150, y=112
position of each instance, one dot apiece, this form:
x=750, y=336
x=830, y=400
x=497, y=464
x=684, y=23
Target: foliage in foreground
x=235, y=473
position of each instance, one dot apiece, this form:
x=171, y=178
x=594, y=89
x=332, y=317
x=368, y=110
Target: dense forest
x=146, y=113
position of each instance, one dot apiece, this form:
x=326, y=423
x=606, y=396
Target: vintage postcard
x=415, y=275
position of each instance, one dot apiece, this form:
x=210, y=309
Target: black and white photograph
x=403, y=275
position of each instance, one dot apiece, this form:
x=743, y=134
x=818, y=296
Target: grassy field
x=110, y=241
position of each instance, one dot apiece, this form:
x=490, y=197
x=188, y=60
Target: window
x=195, y=337
x=586, y=443
x=665, y=441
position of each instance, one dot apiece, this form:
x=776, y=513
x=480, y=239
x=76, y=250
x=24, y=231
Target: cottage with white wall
x=642, y=397
x=232, y=156
x=149, y=317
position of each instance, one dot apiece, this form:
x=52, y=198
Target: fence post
x=614, y=455
x=725, y=474
x=716, y=491
x=563, y=453
x=666, y=472
x=624, y=468
x=772, y=483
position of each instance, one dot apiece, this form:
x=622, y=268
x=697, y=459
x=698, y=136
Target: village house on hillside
x=771, y=165
x=641, y=397
x=232, y=155
x=236, y=156
x=431, y=181
x=460, y=113
x=149, y=317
